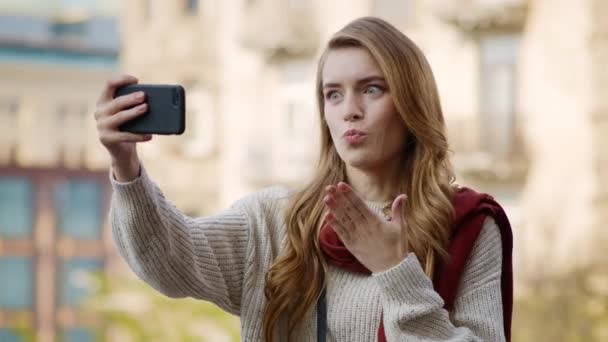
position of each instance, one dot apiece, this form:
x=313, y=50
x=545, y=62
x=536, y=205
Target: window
x=295, y=72
x=297, y=107
x=78, y=335
x=192, y=6
x=394, y=11
x=79, y=206
x=9, y=105
x=297, y=118
x=73, y=283
x=68, y=207
x=290, y=118
x=7, y=335
x=498, y=55
x=16, y=287
x=202, y=133
x=297, y=4
x=69, y=28
x=16, y=209
x=147, y=8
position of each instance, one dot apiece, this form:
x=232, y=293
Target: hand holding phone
x=110, y=113
x=166, y=107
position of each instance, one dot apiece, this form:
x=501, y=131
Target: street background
x=523, y=85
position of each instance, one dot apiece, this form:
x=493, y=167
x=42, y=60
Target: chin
x=359, y=162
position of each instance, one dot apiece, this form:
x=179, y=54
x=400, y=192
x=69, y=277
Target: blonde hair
x=297, y=276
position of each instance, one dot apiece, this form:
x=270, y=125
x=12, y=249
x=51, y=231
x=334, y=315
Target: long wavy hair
x=296, y=277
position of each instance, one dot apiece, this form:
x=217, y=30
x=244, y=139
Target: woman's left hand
x=378, y=244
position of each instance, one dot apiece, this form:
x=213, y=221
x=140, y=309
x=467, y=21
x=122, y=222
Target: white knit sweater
x=223, y=259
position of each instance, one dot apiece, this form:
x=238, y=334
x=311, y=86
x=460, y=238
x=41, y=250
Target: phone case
x=166, y=109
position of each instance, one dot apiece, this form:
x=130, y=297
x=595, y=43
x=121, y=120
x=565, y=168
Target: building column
x=556, y=78
x=599, y=115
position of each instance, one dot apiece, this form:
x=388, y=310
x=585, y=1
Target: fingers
x=115, y=82
x=341, y=209
x=120, y=103
x=343, y=232
x=110, y=137
x=114, y=121
x=355, y=202
x=334, y=218
x=109, y=133
x=345, y=218
x=107, y=126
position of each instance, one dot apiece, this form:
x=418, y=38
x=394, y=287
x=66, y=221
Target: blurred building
x=520, y=81
x=54, y=58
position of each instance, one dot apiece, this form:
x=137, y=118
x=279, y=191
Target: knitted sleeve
x=180, y=256
x=414, y=311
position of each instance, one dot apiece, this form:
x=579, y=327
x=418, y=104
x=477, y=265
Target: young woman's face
x=359, y=110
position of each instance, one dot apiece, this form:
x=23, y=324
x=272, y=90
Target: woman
x=380, y=244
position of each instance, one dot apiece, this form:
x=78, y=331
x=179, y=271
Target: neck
x=375, y=185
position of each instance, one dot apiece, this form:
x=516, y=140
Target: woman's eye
x=332, y=95
x=373, y=89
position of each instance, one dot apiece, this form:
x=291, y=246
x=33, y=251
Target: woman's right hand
x=112, y=112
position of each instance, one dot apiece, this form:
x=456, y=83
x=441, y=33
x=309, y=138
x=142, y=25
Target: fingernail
x=139, y=95
x=343, y=187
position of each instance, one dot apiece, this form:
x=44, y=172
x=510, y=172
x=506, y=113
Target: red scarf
x=471, y=209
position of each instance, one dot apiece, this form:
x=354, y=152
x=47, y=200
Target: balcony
x=503, y=160
x=280, y=29
x=484, y=15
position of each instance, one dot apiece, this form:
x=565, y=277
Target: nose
x=352, y=109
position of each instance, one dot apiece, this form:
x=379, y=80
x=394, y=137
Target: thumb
x=398, y=206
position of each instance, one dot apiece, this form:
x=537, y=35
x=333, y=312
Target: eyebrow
x=359, y=81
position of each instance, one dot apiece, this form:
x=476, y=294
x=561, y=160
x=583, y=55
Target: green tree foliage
x=570, y=307
x=133, y=311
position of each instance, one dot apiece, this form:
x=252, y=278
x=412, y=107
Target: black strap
x=321, y=318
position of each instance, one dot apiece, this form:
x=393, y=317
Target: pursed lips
x=353, y=132
x=354, y=136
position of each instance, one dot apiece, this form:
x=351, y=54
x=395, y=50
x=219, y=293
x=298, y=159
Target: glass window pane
x=79, y=204
x=69, y=29
x=78, y=335
x=15, y=208
x=74, y=286
x=192, y=6
x=395, y=11
x=499, y=56
x=7, y=335
x=16, y=287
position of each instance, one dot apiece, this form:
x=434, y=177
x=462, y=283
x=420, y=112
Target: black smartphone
x=166, y=109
